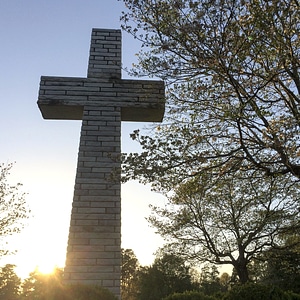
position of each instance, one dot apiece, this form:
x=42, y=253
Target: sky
x=42, y=37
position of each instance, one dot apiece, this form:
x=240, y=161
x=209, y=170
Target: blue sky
x=41, y=37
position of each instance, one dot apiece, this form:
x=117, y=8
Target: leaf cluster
x=13, y=208
x=232, y=71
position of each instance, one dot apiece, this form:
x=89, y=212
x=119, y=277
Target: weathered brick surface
x=65, y=97
x=96, y=198
x=102, y=100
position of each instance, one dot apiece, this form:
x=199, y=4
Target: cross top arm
x=66, y=97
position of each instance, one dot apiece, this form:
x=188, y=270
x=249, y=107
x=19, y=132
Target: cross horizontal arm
x=65, y=97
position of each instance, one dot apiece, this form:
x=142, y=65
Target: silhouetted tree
x=50, y=287
x=210, y=283
x=167, y=275
x=43, y=286
x=228, y=219
x=129, y=282
x=10, y=283
x=225, y=279
x=281, y=267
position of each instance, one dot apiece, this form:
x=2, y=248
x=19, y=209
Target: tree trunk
x=242, y=270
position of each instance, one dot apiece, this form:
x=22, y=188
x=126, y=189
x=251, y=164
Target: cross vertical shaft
x=93, y=254
x=102, y=101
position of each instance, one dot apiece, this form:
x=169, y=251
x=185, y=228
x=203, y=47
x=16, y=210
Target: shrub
x=189, y=295
x=80, y=292
x=90, y=292
x=252, y=291
x=293, y=296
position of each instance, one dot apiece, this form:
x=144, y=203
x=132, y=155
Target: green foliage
x=129, y=281
x=50, y=287
x=293, y=296
x=232, y=71
x=13, y=208
x=84, y=292
x=228, y=149
x=9, y=283
x=43, y=286
x=210, y=282
x=168, y=274
x=228, y=219
x=189, y=295
x=283, y=269
x=252, y=291
x=280, y=267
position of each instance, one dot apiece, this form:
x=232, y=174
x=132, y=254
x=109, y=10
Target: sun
x=46, y=267
x=48, y=262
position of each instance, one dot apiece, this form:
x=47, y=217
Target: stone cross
x=102, y=101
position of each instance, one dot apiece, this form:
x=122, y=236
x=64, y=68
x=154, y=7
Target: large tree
x=232, y=72
x=13, y=208
x=229, y=219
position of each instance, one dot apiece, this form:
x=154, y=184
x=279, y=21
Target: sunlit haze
x=53, y=38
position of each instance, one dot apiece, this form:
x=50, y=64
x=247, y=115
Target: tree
x=231, y=69
x=43, y=286
x=229, y=219
x=130, y=267
x=9, y=283
x=281, y=268
x=50, y=287
x=210, y=283
x=232, y=72
x=13, y=208
x=253, y=291
x=167, y=275
x=225, y=281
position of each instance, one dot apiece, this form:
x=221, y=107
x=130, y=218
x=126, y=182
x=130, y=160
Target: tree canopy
x=227, y=154
x=129, y=278
x=9, y=283
x=168, y=274
x=13, y=208
x=229, y=220
x=232, y=72
x=281, y=268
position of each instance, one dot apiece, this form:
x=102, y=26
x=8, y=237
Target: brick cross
x=102, y=101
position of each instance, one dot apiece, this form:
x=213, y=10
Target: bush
x=293, y=296
x=90, y=292
x=252, y=291
x=80, y=292
x=189, y=295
